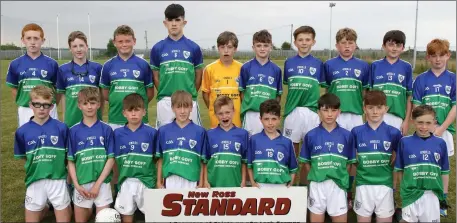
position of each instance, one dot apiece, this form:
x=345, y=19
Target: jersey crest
x=102, y=140
x=271, y=80
x=401, y=78
x=448, y=89
x=136, y=73
x=280, y=156
x=237, y=146
x=386, y=145
x=44, y=73
x=54, y=139
x=357, y=72
x=192, y=143
x=92, y=78
x=312, y=70
x=186, y=54
x=340, y=148
x=144, y=146
x=437, y=156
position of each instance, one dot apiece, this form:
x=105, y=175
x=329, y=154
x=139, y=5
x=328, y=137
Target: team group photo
x=368, y=140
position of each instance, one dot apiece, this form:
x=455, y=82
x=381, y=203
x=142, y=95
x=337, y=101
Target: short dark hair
x=174, y=11
x=304, y=29
x=329, y=100
x=375, y=97
x=270, y=106
x=395, y=36
x=225, y=37
x=133, y=101
x=423, y=110
x=76, y=35
x=262, y=36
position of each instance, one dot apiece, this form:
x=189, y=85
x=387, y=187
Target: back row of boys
x=176, y=63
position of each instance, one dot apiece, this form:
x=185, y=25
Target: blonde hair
x=347, y=33
x=89, y=94
x=43, y=92
x=181, y=99
x=222, y=100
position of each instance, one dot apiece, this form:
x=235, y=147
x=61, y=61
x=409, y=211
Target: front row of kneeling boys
x=184, y=155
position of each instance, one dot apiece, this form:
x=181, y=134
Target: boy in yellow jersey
x=221, y=78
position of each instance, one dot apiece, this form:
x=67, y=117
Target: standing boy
x=177, y=63
x=271, y=156
x=42, y=142
x=124, y=74
x=227, y=148
x=328, y=154
x=375, y=143
x=181, y=147
x=134, y=149
x=91, y=157
x=394, y=76
x=221, y=78
x=29, y=70
x=423, y=169
x=260, y=79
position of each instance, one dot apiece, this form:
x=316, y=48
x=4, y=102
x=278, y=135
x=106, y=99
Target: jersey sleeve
x=327, y=75
x=109, y=142
x=417, y=91
x=117, y=149
x=444, y=161
x=292, y=162
x=55, y=71
x=399, y=164
x=367, y=76
x=61, y=84
x=12, y=76
x=396, y=139
x=372, y=73
x=279, y=82
x=305, y=155
x=71, y=146
x=65, y=135
x=243, y=78
x=148, y=82
x=154, y=143
x=159, y=144
x=154, y=57
x=19, y=145
x=105, y=81
x=354, y=146
x=245, y=147
x=453, y=92
x=251, y=153
x=351, y=152
x=321, y=74
x=206, y=82
x=409, y=80
x=204, y=147
x=286, y=74
x=197, y=59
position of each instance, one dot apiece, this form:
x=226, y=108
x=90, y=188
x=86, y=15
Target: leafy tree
x=285, y=46
x=111, y=49
x=9, y=46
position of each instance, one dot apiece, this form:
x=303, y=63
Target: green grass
x=12, y=171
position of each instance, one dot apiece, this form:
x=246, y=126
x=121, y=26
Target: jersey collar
x=339, y=57
x=127, y=128
x=429, y=72
x=49, y=120
x=380, y=126
x=120, y=59
x=306, y=57
x=220, y=128
x=39, y=57
x=96, y=123
x=177, y=126
x=265, y=135
x=322, y=127
x=179, y=40
x=260, y=65
x=425, y=139
x=385, y=60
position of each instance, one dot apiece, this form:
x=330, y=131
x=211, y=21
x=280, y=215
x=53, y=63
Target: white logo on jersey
x=136, y=73
x=192, y=143
x=271, y=80
x=113, y=73
x=180, y=139
x=164, y=54
x=362, y=145
x=317, y=147
x=215, y=146
x=448, y=89
x=258, y=152
x=280, y=156
x=340, y=148
x=42, y=140
x=169, y=142
x=54, y=139
x=44, y=73
x=252, y=78
x=144, y=146
x=290, y=70
x=122, y=147
x=186, y=54
x=288, y=132
x=386, y=145
x=237, y=146
x=102, y=140
x=335, y=72
x=412, y=156
x=357, y=72
x=437, y=156
x=427, y=88
x=379, y=77
x=31, y=142
x=92, y=78
x=80, y=143
x=312, y=70
x=401, y=78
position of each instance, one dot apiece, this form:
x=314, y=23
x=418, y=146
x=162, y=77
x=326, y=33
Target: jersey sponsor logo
x=357, y=72
x=437, y=156
x=379, y=77
x=144, y=146
x=427, y=88
x=252, y=78
x=31, y=142
x=401, y=78
x=258, y=152
x=340, y=148
x=329, y=145
x=186, y=54
x=317, y=147
x=102, y=140
x=412, y=156
x=192, y=143
x=92, y=78
x=122, y=147
x=448, y=89
x=180, y=139
x=362, y=144
x=54, y=139
x=22, y=73
x=113, y=73
x=312, y=70
x=164, y=54
x=271, y=80
x=386, y=145
x=80, y=143
x=136, y=73
x=215, y=146
x=44, y=73
x=169, y=142
x=290, y=70
x=280, y=156
x=335, y=72
x=237, y=146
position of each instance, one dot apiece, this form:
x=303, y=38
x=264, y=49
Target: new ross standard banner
x=226, y=205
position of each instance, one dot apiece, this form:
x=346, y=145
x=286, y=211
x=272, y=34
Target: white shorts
x=130, y=197
x=115, y=126
x=39, y=192
x=327, y=196
x=104, y=197
x=449, y=139
x=393, y=120
x=177, y=182
x=425, y=209
x=252, y=123
x=374, y=198
x=165, y=114
x=349, y=120
x=299, y=122
x=25, y=113
x=264, y=185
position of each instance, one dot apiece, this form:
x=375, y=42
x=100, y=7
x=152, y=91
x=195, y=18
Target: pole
x=331, y=5
x=291, y=34
x=90, y=38
x=415, y=37
x=58, y=42
x=2, y=32
x=146, y=40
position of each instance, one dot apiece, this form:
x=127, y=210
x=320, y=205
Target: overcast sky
x=207, y=19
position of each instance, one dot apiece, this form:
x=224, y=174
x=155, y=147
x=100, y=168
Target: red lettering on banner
x=250, y=206
x=282, y=206
x=202, y=207
x=265, y=206
x=234, y=206
x=174, y=208
x=219, y=206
